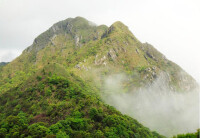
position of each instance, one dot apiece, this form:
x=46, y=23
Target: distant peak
x=3, y=63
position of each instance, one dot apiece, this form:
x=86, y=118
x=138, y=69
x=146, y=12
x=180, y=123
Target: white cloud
x=155, y=106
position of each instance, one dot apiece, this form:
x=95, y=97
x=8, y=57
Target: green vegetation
x=53, y=88
x=189, y=135
x=55, y=106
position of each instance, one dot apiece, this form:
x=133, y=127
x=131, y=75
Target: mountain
x=53, y=88
x=3, y=63
x=84, y=48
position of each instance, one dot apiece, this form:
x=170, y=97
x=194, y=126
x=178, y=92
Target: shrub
x=38, y=131
x=39, y=78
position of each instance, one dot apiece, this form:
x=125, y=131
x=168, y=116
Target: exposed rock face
x=100, y=61
x=52, y=39
x=151, y=52
x=78, y=66
x=76, y=28
x=76, y=40
x=55, y=28
x=112, y=54
x=137, y=51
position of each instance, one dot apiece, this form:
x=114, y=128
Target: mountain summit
x=53, y=88
x=79, y=29
x=82, y=47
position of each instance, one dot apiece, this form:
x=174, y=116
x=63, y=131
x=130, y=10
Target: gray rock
x=76, y=40
x=112, y=54
x=137, y=51
x=78, y=67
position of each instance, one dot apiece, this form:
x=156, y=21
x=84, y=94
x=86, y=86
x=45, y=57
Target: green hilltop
x=53, y=88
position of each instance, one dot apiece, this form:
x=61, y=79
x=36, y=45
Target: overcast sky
x=171, y=26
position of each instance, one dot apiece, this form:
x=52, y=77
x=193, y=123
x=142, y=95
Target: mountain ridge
x=102, y=46
x=69, y=62
x=89, y=42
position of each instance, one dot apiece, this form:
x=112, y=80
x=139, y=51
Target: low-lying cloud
x=156, y=106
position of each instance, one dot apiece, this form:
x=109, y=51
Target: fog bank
x=156, y=106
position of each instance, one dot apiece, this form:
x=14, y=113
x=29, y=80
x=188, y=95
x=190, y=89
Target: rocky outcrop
x=77, y=39
x=81, y=66
x=100, y=61
x=52, y=40
x=112, y=54
x=74, y=28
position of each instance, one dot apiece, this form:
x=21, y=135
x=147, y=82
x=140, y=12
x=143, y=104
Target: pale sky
x=171, y=26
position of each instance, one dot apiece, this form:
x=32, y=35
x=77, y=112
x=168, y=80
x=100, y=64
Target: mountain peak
x=118, y=26
x=76, y=39
x=119, y=31
x=80, y=19
x=77, y=29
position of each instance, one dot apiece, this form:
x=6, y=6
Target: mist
x=155, y=106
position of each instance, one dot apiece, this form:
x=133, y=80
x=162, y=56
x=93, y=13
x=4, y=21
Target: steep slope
x=85, y=48
x=62, y=104
x=78, y=29
x=84, y=55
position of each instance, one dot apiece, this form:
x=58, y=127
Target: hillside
x=62, y=105
x=53, y=88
